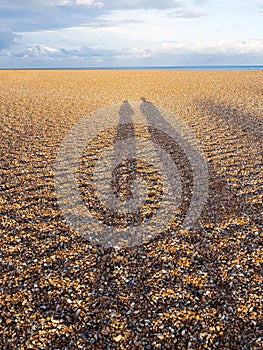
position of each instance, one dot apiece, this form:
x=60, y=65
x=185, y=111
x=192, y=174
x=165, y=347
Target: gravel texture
x=186, y=289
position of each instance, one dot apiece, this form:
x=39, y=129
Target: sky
x=108, y=33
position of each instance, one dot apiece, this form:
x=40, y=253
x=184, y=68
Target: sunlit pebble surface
x=191, y=289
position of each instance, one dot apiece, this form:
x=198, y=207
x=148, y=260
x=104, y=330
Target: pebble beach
x=196, y=289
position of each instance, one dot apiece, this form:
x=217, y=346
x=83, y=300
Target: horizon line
x=134, y=67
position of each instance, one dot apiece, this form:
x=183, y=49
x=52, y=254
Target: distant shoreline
x=155, y=68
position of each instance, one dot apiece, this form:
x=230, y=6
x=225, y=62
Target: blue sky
x=79, y=33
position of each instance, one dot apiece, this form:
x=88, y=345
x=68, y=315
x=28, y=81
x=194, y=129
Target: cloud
x=187, y=13
x=201, y=2
x=199, y=52
x=218, y=47
x=89, y=3
x=23, y=19
x=45, y=55
x=138, y=52
x=124, y=4
x=140, y=4
x=37, y=15
x=128, y=32
x=34, y=5
x=7, y=38
x=168, y=53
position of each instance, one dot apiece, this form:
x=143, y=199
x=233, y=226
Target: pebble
x=200, y=287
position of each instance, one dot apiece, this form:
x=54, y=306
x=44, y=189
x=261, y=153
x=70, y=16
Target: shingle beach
x=200, y=288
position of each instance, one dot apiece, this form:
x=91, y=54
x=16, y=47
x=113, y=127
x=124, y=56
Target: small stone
x=118, y=338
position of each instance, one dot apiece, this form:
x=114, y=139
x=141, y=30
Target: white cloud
x=187, y=13
x=138, y=52
x=212, y=48
x=42, y=49
x=199, y=52
x=89, y=3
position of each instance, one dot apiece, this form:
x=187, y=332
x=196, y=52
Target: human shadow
x=171, y=146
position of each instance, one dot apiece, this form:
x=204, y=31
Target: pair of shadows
x=133, y=168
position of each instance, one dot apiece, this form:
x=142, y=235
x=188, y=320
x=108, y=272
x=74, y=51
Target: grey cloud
x=24, y=18
x=39, y=5
x=15, y=5
x=7, y=38
x=88, y=52
x=35, y=15
x=129, y=4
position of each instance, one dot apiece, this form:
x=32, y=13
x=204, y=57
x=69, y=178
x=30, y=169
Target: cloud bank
x=57, y=33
